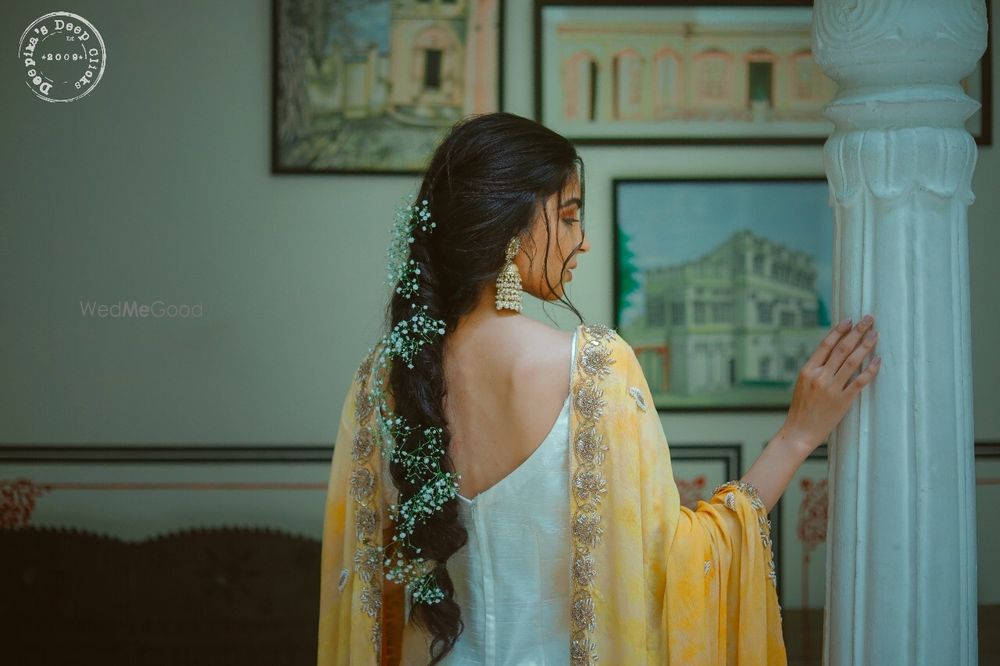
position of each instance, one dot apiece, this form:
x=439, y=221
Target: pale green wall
x=157, y=185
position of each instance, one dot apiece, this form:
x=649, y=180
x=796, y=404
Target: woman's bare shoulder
x=544, y=346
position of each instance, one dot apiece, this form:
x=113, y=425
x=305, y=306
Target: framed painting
x=699, y=468
x=722, y=286
x=702, y=71
x=371, y=86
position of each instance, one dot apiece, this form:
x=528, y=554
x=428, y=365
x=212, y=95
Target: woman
x=501, y=491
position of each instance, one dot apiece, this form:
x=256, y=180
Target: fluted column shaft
x=901, y=570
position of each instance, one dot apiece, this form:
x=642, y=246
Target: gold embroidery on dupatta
x=367, y=556
x=363, y=406
x=589, y=485
x=362, y=445
x=750, y=491
x=590, y=445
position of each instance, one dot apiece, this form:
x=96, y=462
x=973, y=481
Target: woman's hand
x=824, y=390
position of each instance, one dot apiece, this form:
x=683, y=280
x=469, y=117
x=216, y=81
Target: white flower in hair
x=403, y=270
x=421, y=462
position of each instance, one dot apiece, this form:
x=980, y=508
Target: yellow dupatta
x=652, y=582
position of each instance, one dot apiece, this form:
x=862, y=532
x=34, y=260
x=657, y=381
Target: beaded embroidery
x=589, y=485
x=636, y=393
x=590, y=445
x=363, y=445
x=751, y=493
x=367, y=555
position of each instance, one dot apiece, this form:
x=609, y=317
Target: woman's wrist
x=775, y=467
x=795, y=443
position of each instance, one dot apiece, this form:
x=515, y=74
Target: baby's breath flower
x=403, y=270
x=401, y=560
x=426, y=591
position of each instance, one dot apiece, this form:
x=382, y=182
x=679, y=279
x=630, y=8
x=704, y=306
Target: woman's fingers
x=820, y=398
x=855, y=358
x=826, y=345
x=846, y=345
x=868, y=374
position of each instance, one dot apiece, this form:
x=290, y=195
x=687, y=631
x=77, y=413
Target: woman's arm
x=823, y=393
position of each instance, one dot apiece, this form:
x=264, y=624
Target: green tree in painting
x=822, y=312
x=628, y=282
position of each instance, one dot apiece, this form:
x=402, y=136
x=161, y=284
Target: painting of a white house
x=723, y=287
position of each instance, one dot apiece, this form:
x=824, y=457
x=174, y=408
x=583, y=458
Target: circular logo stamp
x=63, y=57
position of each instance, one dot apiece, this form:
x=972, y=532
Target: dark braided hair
x=485, y=184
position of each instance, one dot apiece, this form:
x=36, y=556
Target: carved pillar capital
x=899, y=63
x=888, y=43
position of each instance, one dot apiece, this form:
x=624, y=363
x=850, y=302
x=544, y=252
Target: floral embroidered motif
x=589, y=486
x=708, y=566
x=583, y=614
x=365, y=522
x=587, y=528
x=596, y=359
x=367, y=561
x=751, y=493
x=582, y=651
x=365, y=368
x=367, y=555
x=363, y=445
x=589, y=401
x=371, y=600
x=640, y=399
x=362, y=483
x=590, y=446
x=363, y=405
x=601, y=332
x=583, y=568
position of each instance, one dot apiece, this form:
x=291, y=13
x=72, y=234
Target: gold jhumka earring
x=509, y=280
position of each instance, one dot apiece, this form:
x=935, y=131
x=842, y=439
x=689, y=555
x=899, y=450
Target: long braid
x=442, y=534
x=482, y=187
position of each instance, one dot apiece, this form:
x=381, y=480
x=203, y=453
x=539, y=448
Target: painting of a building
x=378, y=89
x=441, y=56
x=670, y=71
x=744, y=317
x=686, y=71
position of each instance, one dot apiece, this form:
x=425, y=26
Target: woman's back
x=506, y=382
x=511, y=578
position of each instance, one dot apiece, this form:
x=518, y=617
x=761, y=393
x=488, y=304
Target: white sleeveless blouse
x=512, y=578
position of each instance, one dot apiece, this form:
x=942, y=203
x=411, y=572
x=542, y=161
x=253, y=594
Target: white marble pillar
x=901, y=567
